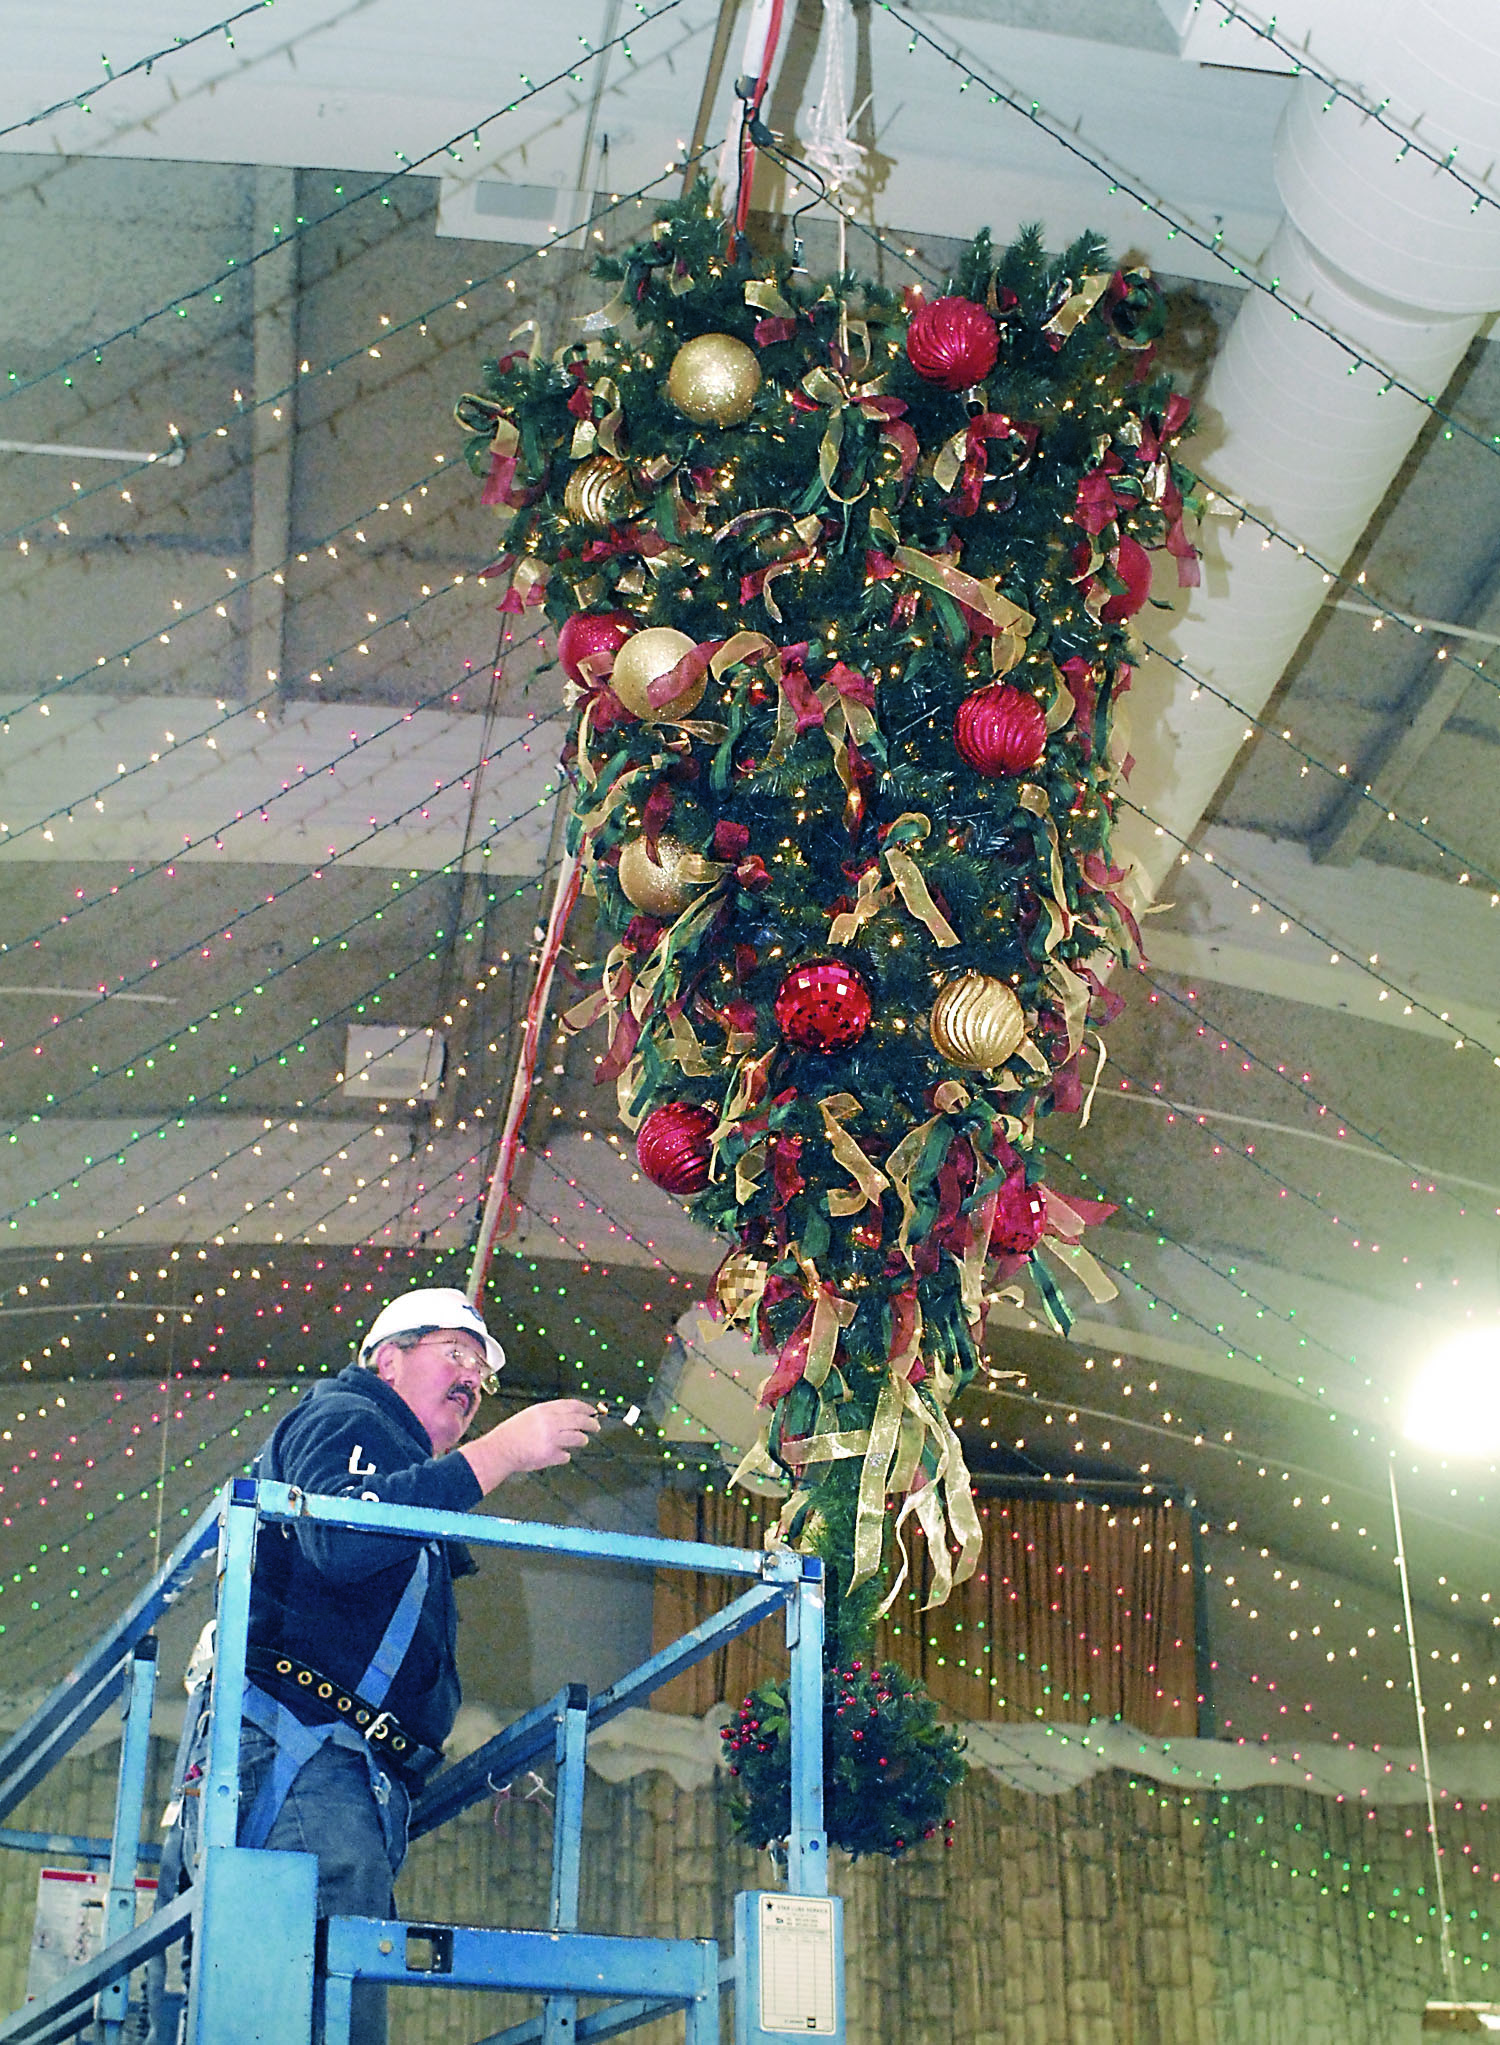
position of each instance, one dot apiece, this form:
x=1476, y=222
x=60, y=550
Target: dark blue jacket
x=326, y=1594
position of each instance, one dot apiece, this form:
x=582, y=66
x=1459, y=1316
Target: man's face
x=439, y=1378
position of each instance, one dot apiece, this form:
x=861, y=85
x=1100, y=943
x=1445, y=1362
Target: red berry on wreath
x=953, y=343
x=672, y=1146
x=823, y=1006
x=1000, y=730
x=588, y=634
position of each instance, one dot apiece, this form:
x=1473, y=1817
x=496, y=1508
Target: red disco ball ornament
x=1000, y=730
x=672, y=1146
x=823, y=1006
x=1133, y=566
x=953, y=343
x=1020, y=1216
x=589, y=633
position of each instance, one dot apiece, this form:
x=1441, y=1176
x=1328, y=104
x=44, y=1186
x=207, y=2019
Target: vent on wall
x=486, y=209
x=384, y=1063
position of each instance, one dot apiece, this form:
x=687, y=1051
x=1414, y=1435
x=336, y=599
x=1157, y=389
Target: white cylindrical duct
x=1391, y=256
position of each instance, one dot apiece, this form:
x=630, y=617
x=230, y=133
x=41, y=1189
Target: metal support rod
x=1445, y=1943
x=130, y=1798
x=92, y=1686
x=567, y=1821
x=274, y=331
x=560, y=2012
x=807, y=1844
x=221, y=1783
x=174, y=457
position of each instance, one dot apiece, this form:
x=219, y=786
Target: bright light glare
x=1454, y=1402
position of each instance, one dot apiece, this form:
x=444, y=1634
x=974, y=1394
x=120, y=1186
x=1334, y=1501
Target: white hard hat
x=433, y=1306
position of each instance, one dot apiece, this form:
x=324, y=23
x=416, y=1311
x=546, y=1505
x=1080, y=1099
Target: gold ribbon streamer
x=870, y=898
x=950, y=460
x=1012, y=625
x=764, y=294
x=906, y=880
x=749, y=1171
x=1079, y=303
x=904, y=872
x=1099, y=1062
x=1084, y=1266
x=831, y=1314
x=871, y=1182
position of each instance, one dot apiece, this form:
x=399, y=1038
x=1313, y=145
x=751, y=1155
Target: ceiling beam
x=1438, y=686
x=274, y=341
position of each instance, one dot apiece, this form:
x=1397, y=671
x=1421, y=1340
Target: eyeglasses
x=460, y=1356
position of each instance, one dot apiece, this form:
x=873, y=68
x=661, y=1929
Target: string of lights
x=1292, y=1320
x=279, y=1055
x=1303, y=65
x=208, y=734
x=233, y=269
x=1363, y=791
x=1291, y=920
x=387, y=330
x=1386, y=612
x=167, y=1043
x=326, y=543
x=1211, y=245
x=1423, y=1178
x=81, y=102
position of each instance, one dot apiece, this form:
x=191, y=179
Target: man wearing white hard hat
x=353, y=1676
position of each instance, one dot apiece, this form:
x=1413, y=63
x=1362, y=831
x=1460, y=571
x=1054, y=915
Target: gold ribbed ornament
x=643, y=657
x=659, y=886
x=977, y=1022
x=713, y=380
x=598, y=491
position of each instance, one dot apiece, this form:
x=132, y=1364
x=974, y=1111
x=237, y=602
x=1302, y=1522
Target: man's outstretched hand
x=538, y=1438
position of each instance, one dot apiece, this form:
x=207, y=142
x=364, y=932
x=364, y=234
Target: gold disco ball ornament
x=977, y=1022
x=598, y=491
x=659, y=886
x=713, y=380
x=643, y=657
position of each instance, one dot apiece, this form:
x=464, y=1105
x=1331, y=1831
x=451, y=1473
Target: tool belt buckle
x=379, y=1727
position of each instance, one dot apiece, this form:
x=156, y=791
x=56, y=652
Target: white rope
x=830, y=146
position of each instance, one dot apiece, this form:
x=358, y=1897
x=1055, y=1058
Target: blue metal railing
x=260, y=1989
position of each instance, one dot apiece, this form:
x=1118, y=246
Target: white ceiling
x=252, y=741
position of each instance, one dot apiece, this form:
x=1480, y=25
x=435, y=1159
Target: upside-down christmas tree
x=842, y=582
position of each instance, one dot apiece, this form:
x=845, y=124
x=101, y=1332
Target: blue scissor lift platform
x=263, y=1967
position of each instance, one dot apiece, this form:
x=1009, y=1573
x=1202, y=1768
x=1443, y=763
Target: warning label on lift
x=797, y=1991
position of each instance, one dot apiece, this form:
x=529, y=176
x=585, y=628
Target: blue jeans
x=346, y=1811
x=354, y=1819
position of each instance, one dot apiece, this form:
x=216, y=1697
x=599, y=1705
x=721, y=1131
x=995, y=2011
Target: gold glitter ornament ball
x=643, y=657
x=598, y=491
x=713, y=380
x=659, y=886
x=977, y=1022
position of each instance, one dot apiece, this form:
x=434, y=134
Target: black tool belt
x=316, y=1698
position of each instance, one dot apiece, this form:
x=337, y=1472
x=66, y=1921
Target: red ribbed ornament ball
x=1020, y=1215
x=1000, y=730
x=823, y=1006
x=672, y=1146
x=588, y=633
x=953, y=343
